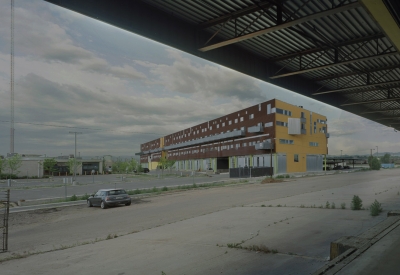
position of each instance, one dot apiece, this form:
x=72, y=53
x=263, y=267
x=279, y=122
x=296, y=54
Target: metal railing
x=4, y=213
x=248, y=172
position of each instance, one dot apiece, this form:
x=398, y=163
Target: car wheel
x=89, y=204
x=127, y=204
x=103, y=205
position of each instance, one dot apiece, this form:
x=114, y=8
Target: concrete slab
x=381, y=258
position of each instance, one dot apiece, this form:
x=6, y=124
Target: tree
x=73, y=164
x=132, y=165
x=165, y=163
x=375, y=164
x=386, y=158
x=2, y=164
x=48, y=165
x=370, y=158
x=14, y=163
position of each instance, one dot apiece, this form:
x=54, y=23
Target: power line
x=74, y=127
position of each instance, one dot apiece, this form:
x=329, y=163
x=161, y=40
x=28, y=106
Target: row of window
x=283, y=112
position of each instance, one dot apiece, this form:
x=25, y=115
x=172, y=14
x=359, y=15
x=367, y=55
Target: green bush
x=165, y=188
x=356, y=203
x=73, y=198
x=280, y=177
x=375, y=164
x=327, y=205
x=84, y=197
x=343, y=205
x=375, y=208
x=333, y=206
x=287, y=176
x=7, y=176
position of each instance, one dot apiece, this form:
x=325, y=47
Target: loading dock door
x=281, y=164
x=314, y=163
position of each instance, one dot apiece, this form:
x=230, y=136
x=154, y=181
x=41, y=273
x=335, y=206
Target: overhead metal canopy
x=341, y=52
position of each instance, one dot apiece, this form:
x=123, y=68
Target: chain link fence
x=4, y=213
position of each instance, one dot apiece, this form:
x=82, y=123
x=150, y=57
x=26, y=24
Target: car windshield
x=116, y=192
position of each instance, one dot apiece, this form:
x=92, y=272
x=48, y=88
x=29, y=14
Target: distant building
x=33, y=166
x=296, y=138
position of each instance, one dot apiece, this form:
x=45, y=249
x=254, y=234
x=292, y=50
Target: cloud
x=205, y=80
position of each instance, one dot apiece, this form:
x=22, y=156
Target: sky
x=74, y=73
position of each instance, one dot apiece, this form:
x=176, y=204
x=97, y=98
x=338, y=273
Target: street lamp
x=371, y=151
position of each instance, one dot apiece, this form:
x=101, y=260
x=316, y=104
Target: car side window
x=104, y=193
x=98, y=194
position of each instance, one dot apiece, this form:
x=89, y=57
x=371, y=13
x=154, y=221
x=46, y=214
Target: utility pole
x=12, y=81
x=76, y=133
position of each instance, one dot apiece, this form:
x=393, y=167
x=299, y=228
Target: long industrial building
x=296, y=138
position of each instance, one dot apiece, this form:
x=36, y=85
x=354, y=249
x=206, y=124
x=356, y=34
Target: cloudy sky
x=73, y=73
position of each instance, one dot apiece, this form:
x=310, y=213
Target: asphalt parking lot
x=196, y=232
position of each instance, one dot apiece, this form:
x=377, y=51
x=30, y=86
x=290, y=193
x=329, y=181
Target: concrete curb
x=346, y=249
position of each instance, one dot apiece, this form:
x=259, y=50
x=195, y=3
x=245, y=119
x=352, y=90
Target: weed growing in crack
x=375, y=208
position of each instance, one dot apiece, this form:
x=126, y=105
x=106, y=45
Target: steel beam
x=328, y=77
x=319, y=49
x=360, y=87
x=372, y=101
x=236, y=14
x=385, y=118
x=380, y=111
x=334, y=65
x=280, y=27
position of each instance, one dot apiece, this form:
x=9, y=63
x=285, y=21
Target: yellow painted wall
x=301, y=144
x=162, y=142
x=153, y=165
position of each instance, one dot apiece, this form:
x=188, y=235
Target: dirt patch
x=269, y=180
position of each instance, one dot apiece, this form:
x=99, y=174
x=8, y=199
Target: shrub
x=343, y=205
x=280, y=177
x=165, y=188
x=73, y=198
x=287, y=176
x=327, y=205
x=333, y=206
x=84, y=197
x=375, y=164
x=375, y=208
x=356, y=203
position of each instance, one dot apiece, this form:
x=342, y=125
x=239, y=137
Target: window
x=314, y=144
x=236, y=120
x=251, y=116
x=244, y=144
x=296, y=158
x=241, y=119
x=302, y=115
x=315, y=127
x=283, y=112
x=223, y=124
x=269, y=124
x=286, y=141
x=280, y=123
x=217, y=126
x=230, y=122
x=259, y=107
x=210, y=127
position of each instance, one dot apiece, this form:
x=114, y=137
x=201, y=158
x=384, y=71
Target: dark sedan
x=109, y=197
